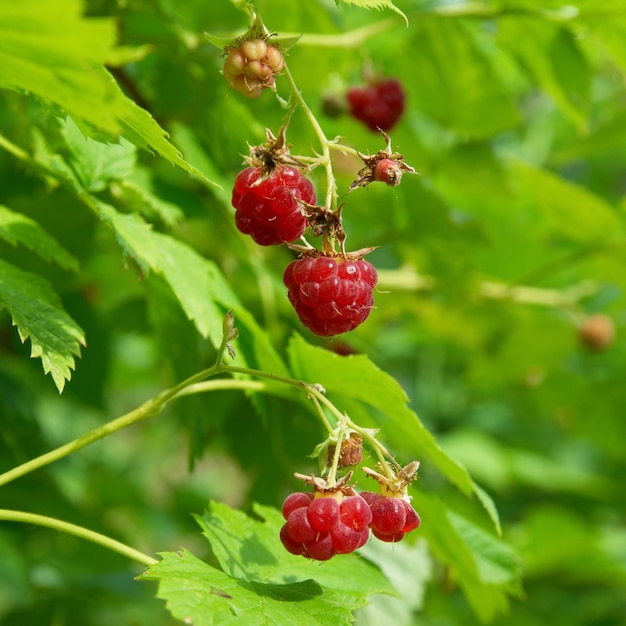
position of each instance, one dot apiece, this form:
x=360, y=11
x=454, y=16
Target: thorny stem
x=78, y=531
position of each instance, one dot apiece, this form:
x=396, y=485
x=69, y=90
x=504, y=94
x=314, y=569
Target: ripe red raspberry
x=392, y=518
x=379, y=104
x=331, y=295
x=322, y=526
x=267, y=206
x=250, y=68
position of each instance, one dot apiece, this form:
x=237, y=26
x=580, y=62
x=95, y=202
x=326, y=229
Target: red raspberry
x=321, y=527
x=392, y=518
x=267, y=206
x=250, y=68
x=379, y=105
x=331, y=295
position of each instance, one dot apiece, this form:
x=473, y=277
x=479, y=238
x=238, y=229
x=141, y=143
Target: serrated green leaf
x=49, y=49
x=489, y=506
x=551, y=55
x=95, y=163
x=357, y=378
x=251, y=550
x=17, y=228
x=567, y=208
x=204, y=596
x=455, y=81
x=195, y=281
x=497, y=562
x=485, y=575
x=37, y=312
x=137, y=197
x=376, y=4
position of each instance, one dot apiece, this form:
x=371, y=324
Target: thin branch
x=78, y=531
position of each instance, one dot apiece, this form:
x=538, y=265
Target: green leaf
x=455, y=80
x=199, y=594
x=261, y=583
x=94, y=163
x=195, y=281
x=37, y=312
x=17, y=228
x=137, y=196
x=486, y=569
x=375, y=4
x=497, y=562
x=567, y=208
x=395, y=560
x=551, y=55
x=48, y=49
x=251, y=550
x=357, y=378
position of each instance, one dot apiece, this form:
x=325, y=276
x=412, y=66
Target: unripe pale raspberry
x=254, y=49
x=250, y=68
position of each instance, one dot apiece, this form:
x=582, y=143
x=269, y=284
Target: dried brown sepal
x=274, y=152
x=355, y=255
x=350, y=453
x=322, y=488
x=395, y=485
x=385, y=166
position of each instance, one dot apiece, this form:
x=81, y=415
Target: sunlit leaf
x=39, y=316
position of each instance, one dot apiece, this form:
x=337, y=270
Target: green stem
x=149, y=409
x=331, y=185
x=322, y=415
x=332, y=472
x=78, y=531
x=16, y=151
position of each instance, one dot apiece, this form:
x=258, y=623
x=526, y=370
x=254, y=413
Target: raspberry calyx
x=332, y=294
x=385, y=166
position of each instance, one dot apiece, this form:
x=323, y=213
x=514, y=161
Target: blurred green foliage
x=489, y=261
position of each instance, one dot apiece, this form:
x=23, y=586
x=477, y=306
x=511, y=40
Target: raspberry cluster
x=251, y=67
x=267, y=206
x=379, y=104
x=319, y=526
x=331, y=295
